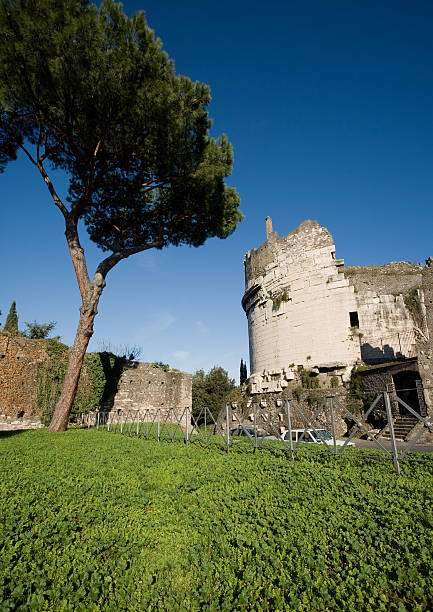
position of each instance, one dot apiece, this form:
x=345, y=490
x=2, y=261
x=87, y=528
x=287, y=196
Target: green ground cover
x=97, y=521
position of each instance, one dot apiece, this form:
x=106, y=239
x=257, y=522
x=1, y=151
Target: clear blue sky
x=329, y=106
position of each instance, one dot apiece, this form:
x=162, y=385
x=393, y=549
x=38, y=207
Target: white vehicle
x=315, y=437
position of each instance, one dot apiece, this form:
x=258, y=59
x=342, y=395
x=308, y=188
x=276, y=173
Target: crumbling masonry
x=305, y=309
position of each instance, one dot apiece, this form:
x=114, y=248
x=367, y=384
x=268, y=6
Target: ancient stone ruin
x=142, y=389
x=145, y=389
x=307, y=311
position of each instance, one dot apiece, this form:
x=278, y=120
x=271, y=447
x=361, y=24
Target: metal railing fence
x=261, y=427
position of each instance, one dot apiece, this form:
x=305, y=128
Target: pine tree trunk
x=77, y=352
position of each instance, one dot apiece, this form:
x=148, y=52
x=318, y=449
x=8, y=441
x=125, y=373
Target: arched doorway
x=406, y=388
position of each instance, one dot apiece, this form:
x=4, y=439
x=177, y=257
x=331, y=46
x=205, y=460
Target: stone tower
x=306, y=309
x=298, y=306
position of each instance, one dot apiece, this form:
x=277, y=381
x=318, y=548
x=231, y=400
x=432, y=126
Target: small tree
x=89, y=91
x=39, y=331
x=211, y=390
x=11, y=325
x=243, y=374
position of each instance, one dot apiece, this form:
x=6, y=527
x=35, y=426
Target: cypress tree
x=243, y=372
x=11, y=325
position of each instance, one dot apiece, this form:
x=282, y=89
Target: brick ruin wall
x=141, y=387
x=19, y=361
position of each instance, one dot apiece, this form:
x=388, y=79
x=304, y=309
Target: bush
x=211, y=390
x=309, y=380
x=39, y=331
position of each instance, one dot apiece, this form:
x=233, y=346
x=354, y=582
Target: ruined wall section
x=297, y=302
x=19, y=361
x=141, y=386
x=144, y=387
x=425, y=342
x=385, y=322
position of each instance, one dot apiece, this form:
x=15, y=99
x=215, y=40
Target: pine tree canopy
x=89, y=91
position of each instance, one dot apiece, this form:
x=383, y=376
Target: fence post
x=205, y=424
x=159, y=425
x=121, y=423
x=187, y=427
x=391, y=432
x=255, y=426
x=227, y=428
x=97, y=420
x=289, y=425
x=331, y=413
x=138, y=423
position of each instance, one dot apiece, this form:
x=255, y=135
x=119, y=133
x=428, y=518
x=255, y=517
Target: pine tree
x=11, y=325
x=88, y=90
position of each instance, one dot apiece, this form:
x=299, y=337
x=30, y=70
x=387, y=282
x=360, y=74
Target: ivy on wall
x=412, y=302
x=98, y=381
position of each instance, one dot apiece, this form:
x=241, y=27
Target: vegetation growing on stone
x=297, y=393
x=335, y=382
x=413, y=304
x=162, y=366
x=309, y=380
x=98, y=381
x=279, y=299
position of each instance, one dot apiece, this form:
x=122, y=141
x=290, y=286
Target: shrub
x=309, y=380
x=39, y=331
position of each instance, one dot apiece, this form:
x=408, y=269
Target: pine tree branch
x=109, y=262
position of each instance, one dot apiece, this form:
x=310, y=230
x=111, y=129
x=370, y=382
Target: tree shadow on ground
x=8, y=433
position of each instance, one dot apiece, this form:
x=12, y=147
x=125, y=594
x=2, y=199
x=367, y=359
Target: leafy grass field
x=97, y=521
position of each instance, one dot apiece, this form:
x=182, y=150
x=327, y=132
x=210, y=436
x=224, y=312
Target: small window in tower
x=333, y=254
x=354, y=320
